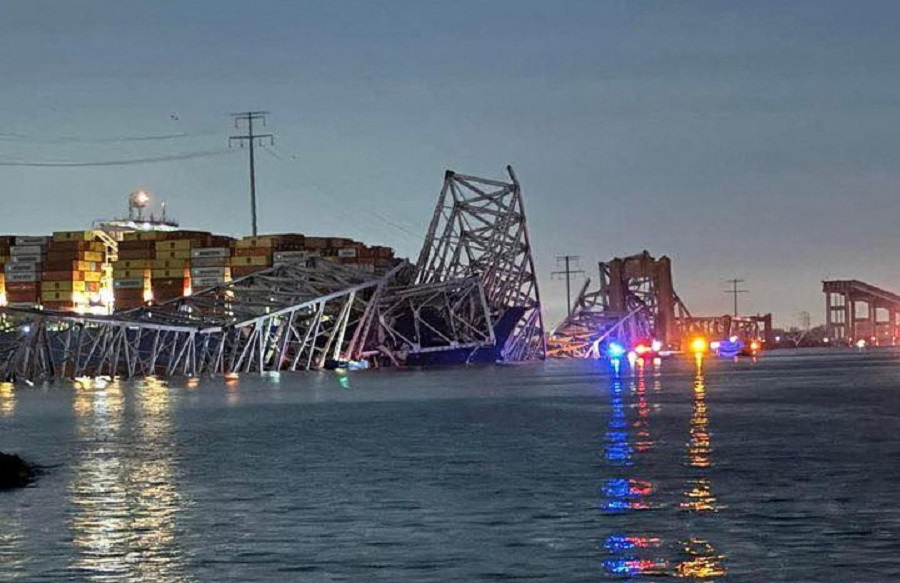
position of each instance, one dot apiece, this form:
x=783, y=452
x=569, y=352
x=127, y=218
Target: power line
x=249, y=117
x=735, y=291
x=124, y=162
x=568, y=272
x=15, y=137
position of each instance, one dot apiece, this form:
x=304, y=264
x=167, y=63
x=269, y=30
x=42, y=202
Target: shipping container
x=207, y=252
x=210, y=271
x=132, y=264
x=176, y=245
x=95, y=256
x=131, y=274
x=201, y=283
x=71, y=266
x=39, y=241
x=158, y=274
x=170, y=263
x=251, y=260
x=26, y=250
x=209, y=261
x=132, y=283
x=62, y=236
x=70, y=286
x=22, y=276
x=77, y=246
x=26, y=259
x=22, y=268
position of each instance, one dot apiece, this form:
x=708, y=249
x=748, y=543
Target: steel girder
x=479, y=230
x=635, y=300
x=291, y=317
x=417, y=319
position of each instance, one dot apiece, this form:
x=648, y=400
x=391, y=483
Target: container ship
x=142, y=259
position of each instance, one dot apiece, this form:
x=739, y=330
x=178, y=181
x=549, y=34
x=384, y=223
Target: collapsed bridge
x=635, y=300
x=471, y=295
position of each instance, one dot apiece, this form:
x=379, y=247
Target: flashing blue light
x=615, y=506
x=622, y=566
x=615, y=350
x=618, y=543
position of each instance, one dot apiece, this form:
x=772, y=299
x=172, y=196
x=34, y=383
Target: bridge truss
x=475, y=271
x=479, y=230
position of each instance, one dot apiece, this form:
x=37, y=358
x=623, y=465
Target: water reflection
x=7, y=399
x=123, y=491
x=628, y=441
x=699, y=558
x=698, y=489
x=14, y=559
x=623, y=493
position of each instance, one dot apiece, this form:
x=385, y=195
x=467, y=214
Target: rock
x=14, y=472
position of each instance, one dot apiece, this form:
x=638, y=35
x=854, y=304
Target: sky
x=756, y=140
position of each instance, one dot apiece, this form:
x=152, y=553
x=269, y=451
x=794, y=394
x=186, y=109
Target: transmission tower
x=249, y=117
x=568, y=272
x=734, y=291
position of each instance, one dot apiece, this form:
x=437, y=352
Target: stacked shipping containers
x=23, y=270
x=131, y=273
x=252, y=254
x=209, y=267
x=65, y=271
x=160, y=265
x=71, y=273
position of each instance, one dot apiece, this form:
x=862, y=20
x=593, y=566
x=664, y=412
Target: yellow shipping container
x=253, y=242
x=170, y=263
x=131, y=273
x=251, y=260
x=63, y=286
x=92, y=276
x=132, y=264
x=168, y=273
x=93, y=256
x=174, y=245
x=61, y=296
x=61, y=236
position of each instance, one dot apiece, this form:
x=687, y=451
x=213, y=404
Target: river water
x=785, y=469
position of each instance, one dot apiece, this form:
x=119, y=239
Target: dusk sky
x=750, y=139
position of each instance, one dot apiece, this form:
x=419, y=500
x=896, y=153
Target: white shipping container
x=22, y=268
x=22, y=277
x=209, y=261
x=17, y=250
x=198, y=283
x=209, y=271
x=347, y=252
x=206, y=252
x=26, y=259
x=136, y=283
x=41, y=241
x=23, y=305
x=286, y=256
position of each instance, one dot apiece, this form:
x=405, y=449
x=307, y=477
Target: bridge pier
x=842, y=320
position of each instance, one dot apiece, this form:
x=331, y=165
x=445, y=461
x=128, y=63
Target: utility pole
x=735, y=291
x=568, y=272
x=249, y=117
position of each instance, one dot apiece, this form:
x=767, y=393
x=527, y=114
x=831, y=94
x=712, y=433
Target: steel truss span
x=290, y=317
x=473, y=290
x=479, y=230
x=636, y=301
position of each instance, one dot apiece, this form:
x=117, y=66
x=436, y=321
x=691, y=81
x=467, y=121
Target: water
x=780, y=470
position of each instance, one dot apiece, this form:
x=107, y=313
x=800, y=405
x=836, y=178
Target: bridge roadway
x=845, y=321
